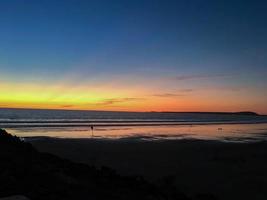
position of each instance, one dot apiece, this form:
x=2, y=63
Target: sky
x=142, y=55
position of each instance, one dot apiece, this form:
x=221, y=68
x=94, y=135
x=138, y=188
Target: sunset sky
x=146, y=55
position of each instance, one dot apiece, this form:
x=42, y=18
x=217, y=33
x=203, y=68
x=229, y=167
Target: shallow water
x=225, y=132
x=134, y=125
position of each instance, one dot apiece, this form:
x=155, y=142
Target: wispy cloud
x=191, y=77
x=112, y=101
x=167, y=95
x=186, y=90
x=67, y=106
x=179, y=93
x=227, y=88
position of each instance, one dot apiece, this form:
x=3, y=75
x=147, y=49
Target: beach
x=216, y=155
x=228, y=170
x=133, y=100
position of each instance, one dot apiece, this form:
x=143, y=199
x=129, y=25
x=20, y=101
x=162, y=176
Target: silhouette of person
x=92, y=129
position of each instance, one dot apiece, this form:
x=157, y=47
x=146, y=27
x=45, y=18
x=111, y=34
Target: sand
x=227, y=170
x=19, y=197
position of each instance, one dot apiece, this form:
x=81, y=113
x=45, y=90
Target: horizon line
x=64, y=109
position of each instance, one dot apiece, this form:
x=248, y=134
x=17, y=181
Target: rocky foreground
x=27, y=172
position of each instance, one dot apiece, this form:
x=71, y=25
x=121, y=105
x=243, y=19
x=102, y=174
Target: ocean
x=134, y=125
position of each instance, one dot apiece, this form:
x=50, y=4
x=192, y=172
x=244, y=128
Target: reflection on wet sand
x=229, y=132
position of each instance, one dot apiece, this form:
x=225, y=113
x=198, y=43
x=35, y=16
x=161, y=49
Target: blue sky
x=221, y=42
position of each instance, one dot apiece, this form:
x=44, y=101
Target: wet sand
x=227, y=170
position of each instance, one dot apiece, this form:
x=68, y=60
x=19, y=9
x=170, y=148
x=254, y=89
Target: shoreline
x=221, y=132
x=120, y=124
x=154, y=138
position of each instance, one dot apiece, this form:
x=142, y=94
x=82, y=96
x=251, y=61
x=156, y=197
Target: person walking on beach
x=92, y=129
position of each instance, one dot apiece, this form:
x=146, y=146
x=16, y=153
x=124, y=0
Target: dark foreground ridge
x=28, y=172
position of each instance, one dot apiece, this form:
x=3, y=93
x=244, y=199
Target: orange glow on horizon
x=127, y=98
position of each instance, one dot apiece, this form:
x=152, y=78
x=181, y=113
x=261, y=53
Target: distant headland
x=219, y=113
x=181, y=112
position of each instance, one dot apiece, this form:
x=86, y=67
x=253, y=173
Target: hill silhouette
x=26, y=171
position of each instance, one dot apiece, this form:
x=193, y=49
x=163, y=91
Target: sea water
x=133, y=125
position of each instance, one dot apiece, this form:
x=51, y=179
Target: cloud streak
x=180, y=93
x=168, y=95
x=112, y=101
x=67, y=106
x=192, y=77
